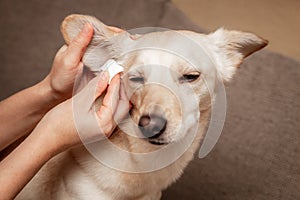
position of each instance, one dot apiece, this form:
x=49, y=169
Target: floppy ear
x=232, y=48
x=101, y=48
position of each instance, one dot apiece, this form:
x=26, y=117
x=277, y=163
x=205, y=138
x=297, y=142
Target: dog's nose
x=152, y=126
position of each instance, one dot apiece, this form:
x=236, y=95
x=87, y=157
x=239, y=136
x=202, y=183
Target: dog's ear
x=101, y=48
x=232, y=48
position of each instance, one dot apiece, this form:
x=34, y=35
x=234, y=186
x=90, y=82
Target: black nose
x=152, y=126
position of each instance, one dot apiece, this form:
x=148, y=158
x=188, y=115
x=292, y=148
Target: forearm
x=54, y=134
x=57, y=132
x=20, y=113
x=17, y=169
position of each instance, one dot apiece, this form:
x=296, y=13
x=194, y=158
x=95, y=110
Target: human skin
x=45, y=112
x=20, y=113
x=57, y=132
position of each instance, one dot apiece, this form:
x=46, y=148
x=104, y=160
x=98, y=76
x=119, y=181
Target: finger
x=123, y=105
x=80, y=79
x=122, y=110
x=79, y=43
x=97, y=86
x=80, y=68
x=108, y=108
x=62, y=49
x=115, y=29
x=92, y=90
x=123, y=95
x=102, y=83
x=60, y=53
x=111, y=98
x=106, y=121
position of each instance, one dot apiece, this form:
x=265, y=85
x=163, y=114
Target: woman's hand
x=67, y=64
x=57, y=131
x=27, y=107
x=82, y=119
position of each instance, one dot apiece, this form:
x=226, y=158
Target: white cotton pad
x=112, y=67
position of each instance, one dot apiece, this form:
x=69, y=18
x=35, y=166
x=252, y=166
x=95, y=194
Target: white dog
x=170, y=77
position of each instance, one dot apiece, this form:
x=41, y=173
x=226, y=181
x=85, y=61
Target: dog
x=170, y=77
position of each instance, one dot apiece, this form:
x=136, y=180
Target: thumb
x=78, y=45
x=92, y=90
x=123, y=107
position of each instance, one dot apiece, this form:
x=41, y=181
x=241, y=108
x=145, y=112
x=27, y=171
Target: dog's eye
x=190, y=77
x=137, y=79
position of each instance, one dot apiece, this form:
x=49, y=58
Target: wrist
x=58, y=128
x=41, y=138
x=53, y=97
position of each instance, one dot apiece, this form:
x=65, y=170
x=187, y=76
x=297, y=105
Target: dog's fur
x=75, y=174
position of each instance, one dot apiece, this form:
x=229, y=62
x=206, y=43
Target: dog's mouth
x=157, y=141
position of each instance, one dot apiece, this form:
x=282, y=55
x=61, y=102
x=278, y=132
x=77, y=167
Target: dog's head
x=169, y=76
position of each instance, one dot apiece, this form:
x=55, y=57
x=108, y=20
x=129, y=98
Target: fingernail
x=86, y=28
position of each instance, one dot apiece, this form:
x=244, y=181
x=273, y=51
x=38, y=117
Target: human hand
x=57, y=131
x=67, y=65
x=82, y=119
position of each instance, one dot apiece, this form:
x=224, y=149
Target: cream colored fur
x=75, y=174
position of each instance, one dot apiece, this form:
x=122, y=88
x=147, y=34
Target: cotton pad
x=112, y=67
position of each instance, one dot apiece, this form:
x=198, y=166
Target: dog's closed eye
x=137, y=79
x=190, y=77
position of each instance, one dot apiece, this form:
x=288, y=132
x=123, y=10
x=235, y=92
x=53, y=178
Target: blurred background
x=258, y=154
x=276, y=20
